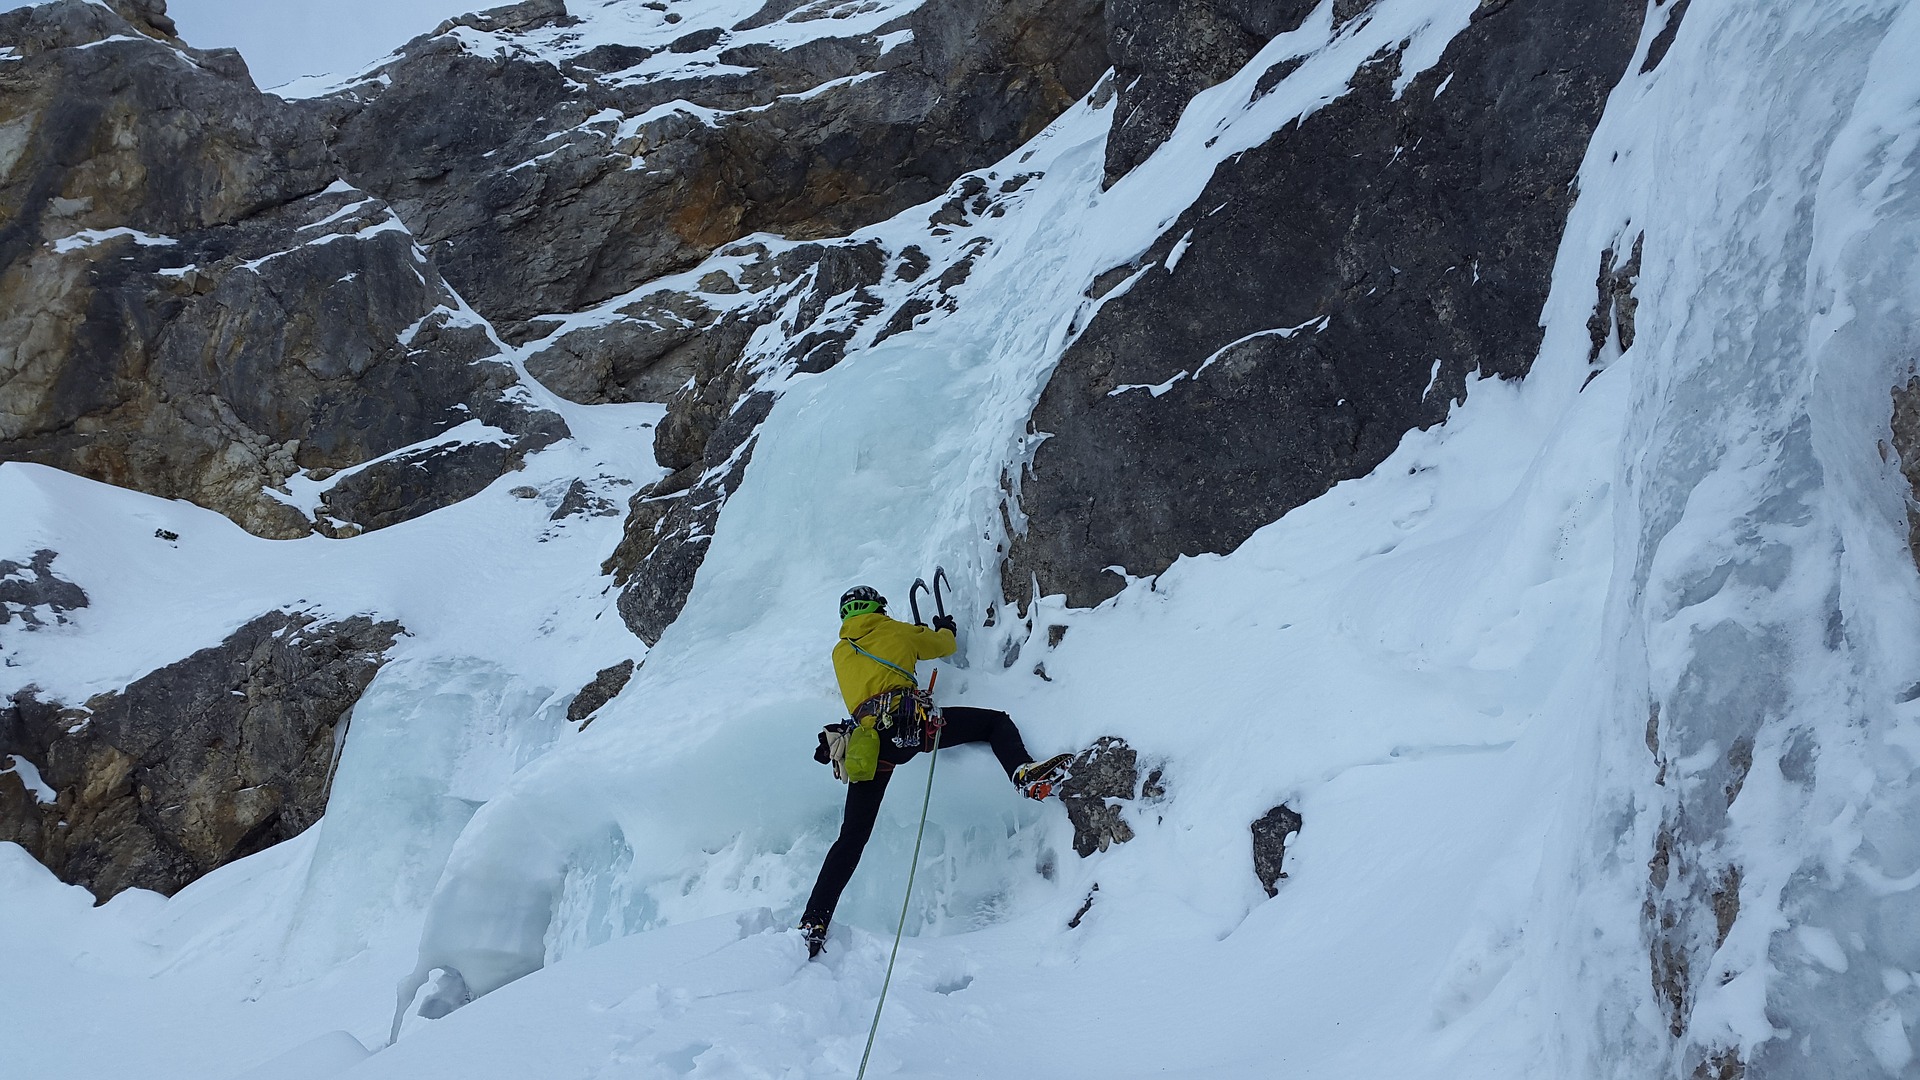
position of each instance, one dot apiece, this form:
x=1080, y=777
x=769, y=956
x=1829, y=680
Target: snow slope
x=1446, y=667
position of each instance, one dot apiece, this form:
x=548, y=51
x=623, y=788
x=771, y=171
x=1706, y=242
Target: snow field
x=1333, y=662
x=1445, y=667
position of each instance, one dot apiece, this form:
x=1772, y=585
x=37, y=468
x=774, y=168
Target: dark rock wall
x=1098, y=779
x=34, y=594
x=1906, y=447
x=531, y=213
x=826, y=295
x=605, y=686
x=1166, y=51
x=1270, y=832
x=191, y=306
x=202, y=762
x=1389, y=234
x=206, y=291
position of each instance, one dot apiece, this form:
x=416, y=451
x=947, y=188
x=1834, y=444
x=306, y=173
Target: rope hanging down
x=913, y=868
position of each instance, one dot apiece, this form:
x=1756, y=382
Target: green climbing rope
x=913, y=868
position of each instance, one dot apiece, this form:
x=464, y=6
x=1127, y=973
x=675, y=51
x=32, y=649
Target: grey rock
x=420, y=480
x=202, y=762
x=191, y=307
x=715, y=412
x=267, y=322
x=522, y=16
x=1614, y=311
x=826, y=295
x=1676, y=10
x=1106, y=771
x=658, y=342
x=1389, y=234
x=1086, y=906
x=1906, y=447
x=606, y=686
x=1166, y=51
x=1270, y=833
x=530, y=211
x=148, y=16
x=31, y=592
x=581, y=501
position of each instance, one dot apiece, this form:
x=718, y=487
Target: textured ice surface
x=429, y=741
x=1448, y=667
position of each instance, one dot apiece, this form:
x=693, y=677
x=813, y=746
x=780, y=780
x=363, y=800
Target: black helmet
x=861, y=600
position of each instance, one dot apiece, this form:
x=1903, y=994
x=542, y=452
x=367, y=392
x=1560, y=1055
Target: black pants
x=964, y=725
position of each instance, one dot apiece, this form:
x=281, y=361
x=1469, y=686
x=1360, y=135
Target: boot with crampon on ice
x=1037, y=779
x=814, y=929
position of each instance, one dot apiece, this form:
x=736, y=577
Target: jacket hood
x=862, y=625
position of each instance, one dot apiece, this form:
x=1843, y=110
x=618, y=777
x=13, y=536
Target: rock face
x=195, y=765
x=1107, y=771
x=554, y=177
x=192, y=303
x=1360, y=266
x=214, y=294
x=606, y=686
x=827, y=296
x=549, y=175
x=32, y=593
x=1166, y=51
x=1906, y=445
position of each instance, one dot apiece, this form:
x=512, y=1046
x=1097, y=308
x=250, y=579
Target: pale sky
x=285, y=39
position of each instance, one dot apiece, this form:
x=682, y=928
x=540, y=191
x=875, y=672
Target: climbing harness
x=905, y=901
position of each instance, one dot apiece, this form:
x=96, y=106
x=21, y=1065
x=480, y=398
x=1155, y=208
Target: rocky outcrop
x=1104, y=774
x=1612, y=321
x=213, y=294
x=606, y=686
x=549, y=176
x=1166, y=51
x=828, y=297
x=31, y=592
x=1337, y=286
x=1270, y=832
x=192, y=304
x=1906, y=447
x=195, y=765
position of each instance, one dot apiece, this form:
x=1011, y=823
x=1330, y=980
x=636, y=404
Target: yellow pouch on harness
x=863, y=751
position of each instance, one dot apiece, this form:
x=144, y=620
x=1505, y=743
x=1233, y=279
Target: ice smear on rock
x=1446, y=667
x=938, y=413
x=428, y=743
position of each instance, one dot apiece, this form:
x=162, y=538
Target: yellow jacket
x=896, y=642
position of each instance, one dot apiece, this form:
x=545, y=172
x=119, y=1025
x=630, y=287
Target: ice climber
x=874, y=661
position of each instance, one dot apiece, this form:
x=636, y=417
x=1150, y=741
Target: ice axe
x=913, y=597
x=920, y=586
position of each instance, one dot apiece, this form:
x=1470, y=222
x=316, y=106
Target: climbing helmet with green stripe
x=861, y=600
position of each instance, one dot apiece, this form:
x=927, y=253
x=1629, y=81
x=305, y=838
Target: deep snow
x=1445, y=667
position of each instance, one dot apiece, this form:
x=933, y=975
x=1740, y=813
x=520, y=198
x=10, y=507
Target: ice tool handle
x=939, y=600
